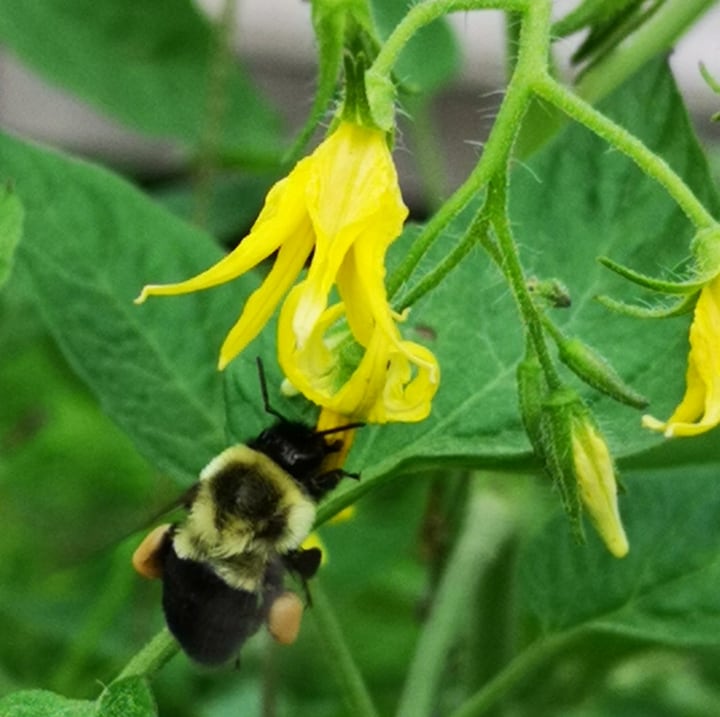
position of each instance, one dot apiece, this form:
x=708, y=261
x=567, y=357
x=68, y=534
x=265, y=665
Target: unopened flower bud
x=593, y=368
x=597, y=486
x=532, y=394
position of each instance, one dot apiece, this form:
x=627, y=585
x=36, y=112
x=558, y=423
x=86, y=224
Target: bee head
x=296, y=448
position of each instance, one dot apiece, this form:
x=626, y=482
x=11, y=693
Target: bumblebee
x=223, y=566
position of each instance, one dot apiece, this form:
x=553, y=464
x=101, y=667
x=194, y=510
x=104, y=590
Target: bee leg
x=323, y=483
x=304, y=563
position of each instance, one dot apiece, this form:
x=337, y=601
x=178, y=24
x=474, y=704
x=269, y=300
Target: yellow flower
x=595, y=475
x=342, y=204
x=699, y=410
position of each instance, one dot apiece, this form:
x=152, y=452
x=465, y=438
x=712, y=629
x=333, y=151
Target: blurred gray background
x=274, y=39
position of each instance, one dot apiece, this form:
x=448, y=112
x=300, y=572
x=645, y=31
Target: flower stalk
x=649, y=162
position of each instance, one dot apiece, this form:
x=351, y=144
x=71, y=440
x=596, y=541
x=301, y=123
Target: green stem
x=615, y=135
x=532, y=59
x=476, y=234
x=497, y=205
x=152, y=657
x=527, y=662
x=423, y=14
x=668, y=23
x=486, y=528
x=339, y=656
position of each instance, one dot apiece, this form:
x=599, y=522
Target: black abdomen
x=210, y=619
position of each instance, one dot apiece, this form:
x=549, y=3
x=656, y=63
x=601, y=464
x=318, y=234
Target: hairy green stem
x=668, y=23
x=615, y=135
x=527, y=662
x=532, y=59
x=497, y=205
x=423, y=14
x=476, y=234
x=339, y=656
x=152, y=657
x=487, y=526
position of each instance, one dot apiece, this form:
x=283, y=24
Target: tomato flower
x=342, y=206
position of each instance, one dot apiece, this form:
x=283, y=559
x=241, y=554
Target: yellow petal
x=699, y=410
x=413, y=379
x=352, y=192
x=597, y=486
x=261, y=304
x=281, y=217
x=314, y=369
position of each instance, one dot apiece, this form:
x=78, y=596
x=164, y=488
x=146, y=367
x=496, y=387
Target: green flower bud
x=594, y=369
x=556, y=424
x=532, y=394
x=595, y=474
x=577, y=458
x=551, y=291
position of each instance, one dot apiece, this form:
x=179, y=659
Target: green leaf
x=130, y=697
x=664, y=590
x=91, y=241
x=144, y=63
x=430, y=58
x=234, y=201
x=11, y=219
x=40, y=703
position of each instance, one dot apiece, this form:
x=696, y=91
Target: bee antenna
x=339, y=429
x=264, y=390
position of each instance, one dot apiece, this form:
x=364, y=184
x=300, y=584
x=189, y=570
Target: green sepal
x=380, y=92
x=556, y=431
x=594, y=369
x=682, y=306
x=355, y=102
x=665, y=287
x=339, y=26
x=532, y=395
x=705, y=247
